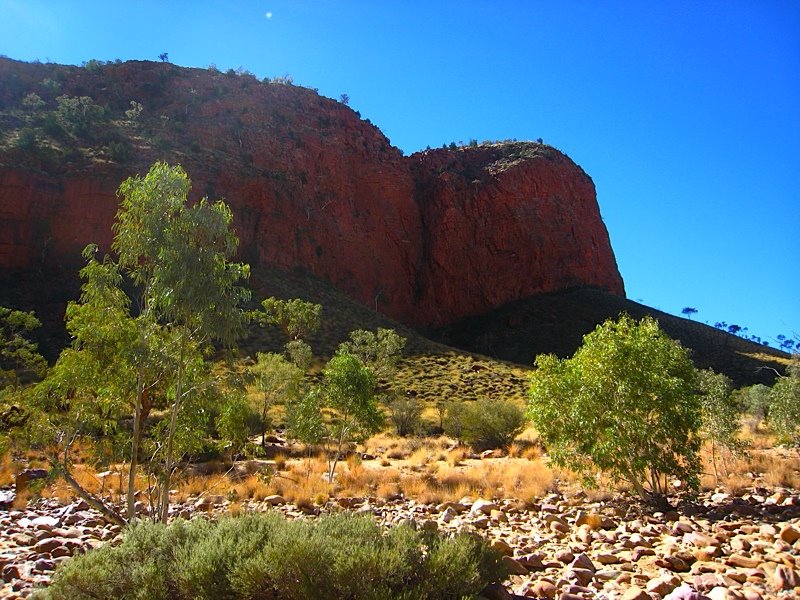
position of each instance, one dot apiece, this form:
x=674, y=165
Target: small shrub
x=490, y=424
x=405, y=415
x=784, y=405
x=452, y=422
x=26, y=140
x=118, y=151
x=265, y=556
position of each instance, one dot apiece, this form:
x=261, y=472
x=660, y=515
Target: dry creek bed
x=566, y=547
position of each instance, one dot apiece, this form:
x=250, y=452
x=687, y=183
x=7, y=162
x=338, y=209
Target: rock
x=44, y=565
x=484, y=506
x=495, y=591
x=10, y=573
x=514, y=567
x=436, y=242
x=740, y=560
x=564, y=556
x=581, y=561
x=7, y=499
x=662, y=585
x=275, y=500
x=544, y=589
x=751, y=594
x=26, y=476
x=685, y=592
x=47, y=545
x=790, y=534
x=636, y=593
x=722, y=593
x=558, y=527
x=498, y=516
x=700, y=540
x=448, y=515
x=502, y=547
x=785, y=578
x=532, y=562
x=45, y=523
x=582, y=576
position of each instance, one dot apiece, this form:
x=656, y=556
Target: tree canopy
x=624, y=404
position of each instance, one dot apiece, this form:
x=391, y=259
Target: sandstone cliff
x=427, y=239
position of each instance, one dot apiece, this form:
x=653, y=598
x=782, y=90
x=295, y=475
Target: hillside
x=557, y=322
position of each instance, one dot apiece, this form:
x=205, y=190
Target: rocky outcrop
x=426, y=239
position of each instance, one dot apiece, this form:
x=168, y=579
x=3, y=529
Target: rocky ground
x=567, y=547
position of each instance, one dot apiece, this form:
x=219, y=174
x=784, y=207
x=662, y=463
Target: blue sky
x=685, y=114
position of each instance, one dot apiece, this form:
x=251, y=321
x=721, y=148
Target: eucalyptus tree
x=625, y=404
x=349, y=389
x=148, y=350
x=298, y=319
x=180, y=256
x=279, y=380
x=93, y=381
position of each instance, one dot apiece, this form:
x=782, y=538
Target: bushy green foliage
x=298, y=318
x=78, y=114
x=625, y=404
x=19, y=356
x=491, y=424
x=380, y=351
x=236, y=422
x=721, y=415
x=754, y=400
x=784, y=405
x=348, y=390
x=263, y=556
x=406, y=415
x=278, y=380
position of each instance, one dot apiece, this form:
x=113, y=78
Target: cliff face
x=427, y=239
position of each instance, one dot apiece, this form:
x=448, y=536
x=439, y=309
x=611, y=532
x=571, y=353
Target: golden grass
x=7, y=470
x=764, y=464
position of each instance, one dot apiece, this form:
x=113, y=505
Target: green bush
x=406, y=415
x=262, y=556
x=784, y=405
x=453, y=419
x=484, y=424
x=490, y=424
x=626, y=403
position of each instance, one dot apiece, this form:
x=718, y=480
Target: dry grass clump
x=253, y=487
x=305, y=484
x=392, y=447
x=509, y=478
x=7, y=470
x=457, y=456
x=772, y=467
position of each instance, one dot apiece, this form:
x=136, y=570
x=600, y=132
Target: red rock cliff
x=429, y=238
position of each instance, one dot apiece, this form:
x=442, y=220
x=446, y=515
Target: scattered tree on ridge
x=689, y=311
x=624, y=404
